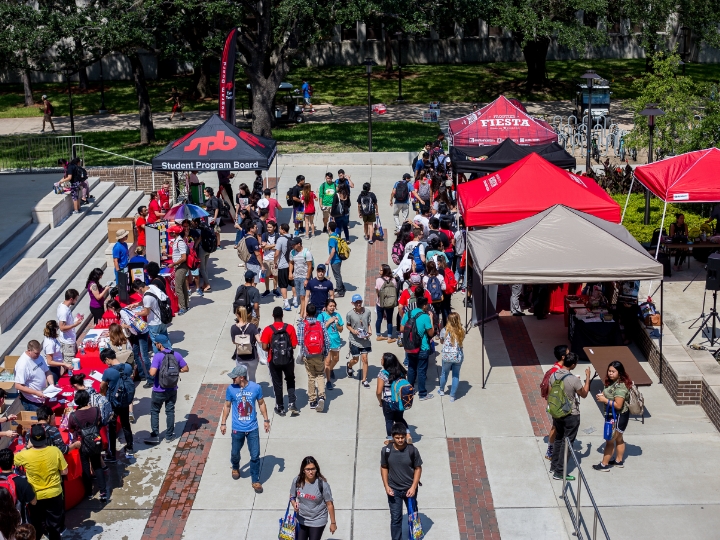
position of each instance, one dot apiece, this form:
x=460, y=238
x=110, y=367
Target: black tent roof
x=216, y=146
x=488, y=159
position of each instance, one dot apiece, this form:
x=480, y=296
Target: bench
x=19, y=287
x=54, y=208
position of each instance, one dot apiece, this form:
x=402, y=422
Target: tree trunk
x=147, y=130
x=27, y=85
x=388, y=51
x=84, y=79
x=203, y=81
x=263, y=94
x=535, y=53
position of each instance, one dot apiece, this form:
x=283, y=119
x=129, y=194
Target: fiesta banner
x=226, y=93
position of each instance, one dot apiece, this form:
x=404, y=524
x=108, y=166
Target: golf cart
x=291, y=110
x=600, y=100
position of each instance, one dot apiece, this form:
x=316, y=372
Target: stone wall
x=126, y=176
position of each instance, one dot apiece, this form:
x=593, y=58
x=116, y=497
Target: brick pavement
x=177, y=493
x=473, y=500
x=376, y=255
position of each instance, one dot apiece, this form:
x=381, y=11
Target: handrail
x=120, y=156
x=576, y=516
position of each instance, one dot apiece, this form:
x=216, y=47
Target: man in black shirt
x=212, y=205
x=400, y=469
x=434, y=224
x=153, y=272
x=297, y=203
x=23, y=490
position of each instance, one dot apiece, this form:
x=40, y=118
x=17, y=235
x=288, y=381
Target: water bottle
x=82, y=348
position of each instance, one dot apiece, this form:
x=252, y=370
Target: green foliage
x=706, y=133
x=635, y=215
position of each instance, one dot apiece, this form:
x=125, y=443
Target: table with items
x=590, y=326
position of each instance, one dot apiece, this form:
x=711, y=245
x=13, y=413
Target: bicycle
x=595, y=151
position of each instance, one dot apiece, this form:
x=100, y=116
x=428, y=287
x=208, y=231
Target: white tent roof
x=560, y=245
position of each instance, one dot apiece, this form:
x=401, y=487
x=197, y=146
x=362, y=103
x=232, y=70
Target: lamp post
x=369, y=63
x=72, y=117
x=399, y=40
x=651, y=110
x=103, y=109
x=589, y=77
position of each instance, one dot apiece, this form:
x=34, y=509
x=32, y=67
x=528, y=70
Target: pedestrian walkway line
x=527, y=370
x=177, y=494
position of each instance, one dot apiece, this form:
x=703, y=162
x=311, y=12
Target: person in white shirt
x=179, y=258
x=151, y=310
x=32, y=376
x=52, y=351
x=68, y=323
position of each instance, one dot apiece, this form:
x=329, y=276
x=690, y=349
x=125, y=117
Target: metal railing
x=576, y=516
x=22, y=153
x=134, y=161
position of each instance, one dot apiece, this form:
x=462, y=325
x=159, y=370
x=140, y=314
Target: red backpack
x=314, y=340
x=6, y=481
x=450, y=281
x=193, y=261
x=545, y=384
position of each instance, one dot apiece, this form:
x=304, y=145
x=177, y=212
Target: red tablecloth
x=558, y=294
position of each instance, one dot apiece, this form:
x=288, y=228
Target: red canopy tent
x=528, y=187
x=498, y=121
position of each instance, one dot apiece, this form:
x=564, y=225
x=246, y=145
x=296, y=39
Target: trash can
x=197, y=193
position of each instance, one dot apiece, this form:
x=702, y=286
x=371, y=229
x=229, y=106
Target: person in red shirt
x=140, y=222
x=164, y=196
x=272, y=205
x=279, y=367
x=406, y=301
x=155, y=213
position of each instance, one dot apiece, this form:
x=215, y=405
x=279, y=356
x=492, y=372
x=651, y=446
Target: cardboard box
x=127, y=223
x=8, y=365
x=26, y=419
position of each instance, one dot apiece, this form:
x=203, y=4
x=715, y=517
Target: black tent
x=216, y=146
x=488, y=159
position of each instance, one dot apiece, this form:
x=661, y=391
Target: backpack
x=636, y=401
x=103, y=405
x=419, y=264
x=91, y=443
x=137, y=324
x=51, y=108
x=450, y=281
x=281, y=346
x=193, y=261
x=313, y=340
x=559, y=406
x=401, y=395
x=242, y=298
x=412, y=340
x=6, y=481
x=366, y=205
x=451, y=353
x=397, y=252
x=424, y=191
x=402, y=193
x=242, y=250
x=545, y=384
x=166, y=314
x=289, y=196
x=125, y=390
x=169, y=372
x=434, y=287
x=243, y=343
x=343, y=249
x=414, y=162
x=208, y=240
x=387, y=296
x=224, y=207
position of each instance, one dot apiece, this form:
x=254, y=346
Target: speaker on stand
x=712, y=283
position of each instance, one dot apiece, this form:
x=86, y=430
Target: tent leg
x=277, y=180
x=662, y=224
x=482, y=333
x=627, y=200
x=662, y=322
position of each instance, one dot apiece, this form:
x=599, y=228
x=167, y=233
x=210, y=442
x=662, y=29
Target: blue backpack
x=434, y=287
x=419, y=264
x=401, y=395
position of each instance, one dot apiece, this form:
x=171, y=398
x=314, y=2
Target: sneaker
x=340, y=294
x=426, y=397
x=241, y=264
x=110, y=458
x=381, y=338
x=279, y=410
x=320, y=405
x=257, y=486
x=350, y=371
x=276, y=293
x=287, y=307
x=366, y=384
x=129, y=452
x=614, y=463
x=371, y=241
x=441, y=393
x=295, y=305
x=548, y=454
x=103, y=496
x=199, y=293
x=152, y=439
x=324, y=229
x=313, y=404
x=265, y=294
x=235, y=474
x=131, y=417
x=294, y=411
x=332, y=375
x=42, y=131
x=558, y=476
x=602, y=468
x=452, y=399
x=182, y=312
x=329, y=386
x=148, y=384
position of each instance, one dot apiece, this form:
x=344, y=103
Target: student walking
x=400, y=470
x=327, y=192
x=400, y=198
x=358, y=324
x=340, y=210
x=312, y=499
x=85, y=422
x=179, y=262
x=417, y=329
x=279, y=340
x=48, y=111
x=452, y=337
x=244, y=335
x=177, y=106
x=319, y=290
x=165, y=370
x=560, y=352
x=387, y=301
x=282, y=262
x=301, y=267
x=367, y=209
x=334, y=261
x=616, y=393
x=392, y=370
x=309, y=198
x=315, y=347
x=333, y=322
x=244, y=397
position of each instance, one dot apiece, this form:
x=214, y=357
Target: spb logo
x=209, y=144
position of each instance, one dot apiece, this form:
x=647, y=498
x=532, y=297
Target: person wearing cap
x=47, y=110
x=334, y=261
x=244, y=397
x=319, y=289
x=358, y=322
x=277, y=370
x=301, y=267
x=248, y=296
x=179, y=262
x=401, y=204
x=163, y=396
x=44, y=467
x=253, y=247
x=120, y=253
x=267, y=242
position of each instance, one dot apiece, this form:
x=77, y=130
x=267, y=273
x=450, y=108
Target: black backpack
x=125, y=390
x=166, y=314
x=169, y=373
x=51, y=109
x=289, y=196
x=208, y=240
x=91, y=443
x=242, y=298
x=412, y=340
x=366, y=205
x=402, y=193
x=281, y=346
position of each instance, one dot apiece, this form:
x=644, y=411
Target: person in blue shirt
x=334, y=261
x=111, y=376
x=120, y=253
x=307, y=95
x=243, y=398
x=418, y=362
x=333, y=322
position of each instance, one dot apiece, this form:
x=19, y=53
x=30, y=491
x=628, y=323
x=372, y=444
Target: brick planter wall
x=123, y=176
x=710, y=404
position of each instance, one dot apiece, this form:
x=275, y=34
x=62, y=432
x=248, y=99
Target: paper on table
x=52, y=391
x=96, y=375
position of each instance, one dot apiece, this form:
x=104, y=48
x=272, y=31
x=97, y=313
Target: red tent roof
x=528, y=187
x=498, y=121
x=688, y=177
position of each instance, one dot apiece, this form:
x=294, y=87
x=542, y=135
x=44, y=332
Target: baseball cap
x=263, y=203
x=175, y=229
x=238, y=371
x=249, y=275
x=415, y=278
x=356, y=298
x=38, y=436
x=321, y=267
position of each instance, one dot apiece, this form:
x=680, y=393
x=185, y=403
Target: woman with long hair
x=52, y=349
x=155, y=212
x=452, y=354
x=391, y=371
x=386, y=289
x=124, y=352
x=616, y=393
x=97, y=294
x=434, y=284
x=244, y=326
x=309, y=198
x=312, y=499
x=9, y=516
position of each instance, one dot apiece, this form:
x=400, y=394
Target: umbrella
x=185, y=211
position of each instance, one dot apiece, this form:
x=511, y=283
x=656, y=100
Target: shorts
x=299, y=287
x=307, y=101
x=195, y=272
x=255, y=268
x=369, y=218
x=283, y=277
x=356, y=351
x=326, y=211
x=270, y=268
x=622, y=421
x=309, y=214
x=177, y=108
x=47, y=118
x=75, y=191
x=69, y=351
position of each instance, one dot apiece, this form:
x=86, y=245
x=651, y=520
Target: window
x=349, y=32
x=495, y=31
x=590, y=19
x=373, y=31
x=471, y=28
x=613, y=27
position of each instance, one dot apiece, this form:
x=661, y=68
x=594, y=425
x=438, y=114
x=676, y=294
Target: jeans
x=253, y=441
x=159, y=333
x=515, y=298
x=168, y=397
x=384, y=312
x=29, y=405
x=276, y=374
x=141, y=351
x=400, y=213
x=239, y=234
x=48, y=516
x=397, y=504
x=204, y=260
x=417, y=369
x=337, y=274
x=342, y=223
x=86, y=460
x=564, y=427
x=181, y=286
x=448, y=367
x=391, y=417
x=123, y=413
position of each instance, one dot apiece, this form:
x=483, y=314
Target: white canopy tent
x=559, y=245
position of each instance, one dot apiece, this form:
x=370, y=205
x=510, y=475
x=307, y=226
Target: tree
x=706, y=132
x=535, y=23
